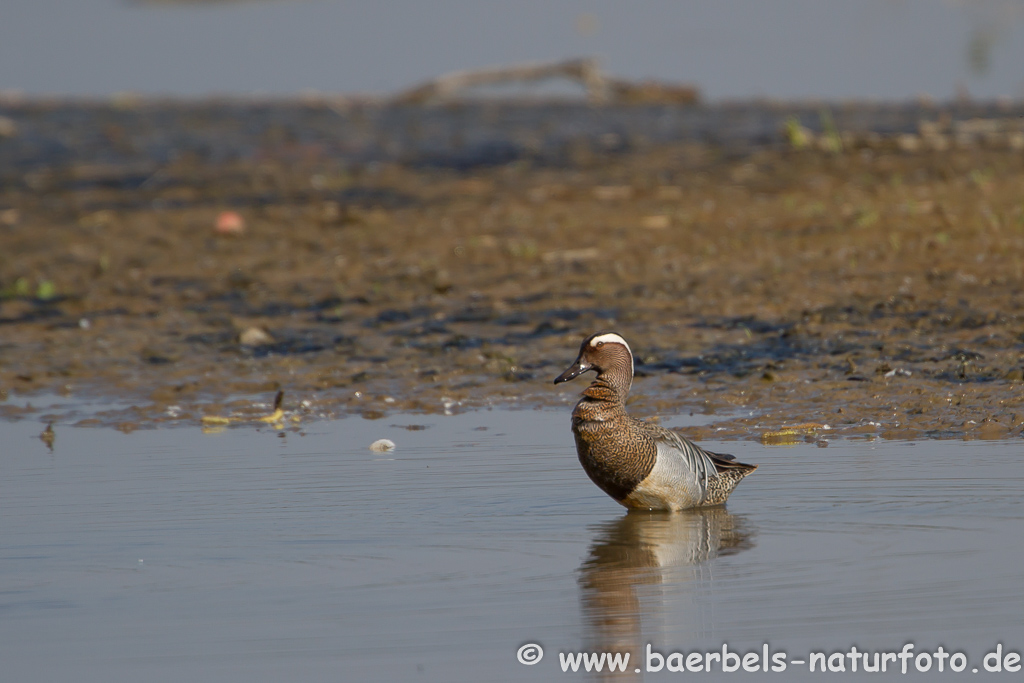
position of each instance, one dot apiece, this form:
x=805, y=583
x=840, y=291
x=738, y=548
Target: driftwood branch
x=600, y=88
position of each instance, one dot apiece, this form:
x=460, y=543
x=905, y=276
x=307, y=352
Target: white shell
x=382, y=446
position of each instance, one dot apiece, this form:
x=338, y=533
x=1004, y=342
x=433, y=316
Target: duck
x=639, y=464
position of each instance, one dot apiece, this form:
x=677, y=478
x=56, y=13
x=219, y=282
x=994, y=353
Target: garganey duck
x=639, y=464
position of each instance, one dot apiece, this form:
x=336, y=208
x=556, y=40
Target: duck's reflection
x=648, y=549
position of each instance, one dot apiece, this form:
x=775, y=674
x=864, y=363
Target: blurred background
x=729, y=49
x=818, y=283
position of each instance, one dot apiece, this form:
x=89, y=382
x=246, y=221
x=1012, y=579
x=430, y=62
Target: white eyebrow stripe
x=616, y=339
x=613, y=338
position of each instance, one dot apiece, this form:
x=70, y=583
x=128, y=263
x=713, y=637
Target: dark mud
x=863, y=273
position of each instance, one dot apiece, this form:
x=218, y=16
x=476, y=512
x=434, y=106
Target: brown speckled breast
x=614, y=453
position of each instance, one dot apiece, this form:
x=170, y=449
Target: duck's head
x=608, y=354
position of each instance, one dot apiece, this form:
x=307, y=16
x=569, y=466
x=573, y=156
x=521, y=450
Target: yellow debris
x=789, y=435
x=276, y=418
x=273, y=417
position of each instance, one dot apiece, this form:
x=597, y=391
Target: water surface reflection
x=633, y=555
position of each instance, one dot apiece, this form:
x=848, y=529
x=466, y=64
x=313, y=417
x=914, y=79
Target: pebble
x=656, y=222
x=254, y=336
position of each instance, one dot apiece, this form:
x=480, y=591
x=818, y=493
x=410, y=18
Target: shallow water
x=171, y=554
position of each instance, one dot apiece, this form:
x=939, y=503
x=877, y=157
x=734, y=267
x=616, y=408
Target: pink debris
x=230, y=223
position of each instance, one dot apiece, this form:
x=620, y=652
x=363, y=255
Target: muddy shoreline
x=860, y=270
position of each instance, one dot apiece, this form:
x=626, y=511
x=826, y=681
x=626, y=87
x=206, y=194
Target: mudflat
x=790, y=281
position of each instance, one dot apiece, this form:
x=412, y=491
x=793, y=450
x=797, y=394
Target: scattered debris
x=449, y=403
x=798, y=136
x=600, y=88
x=612, y=193
x=935, y=136
x=382, y=446
x=48, y=436
x=793, y=434
x=571, y=255
x=656, y=222
x=229, y=223
x=8, y=128
x=255, y=336
x=275, y=418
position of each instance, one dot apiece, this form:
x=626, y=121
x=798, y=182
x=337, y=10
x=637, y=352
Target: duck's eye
x=600, y=344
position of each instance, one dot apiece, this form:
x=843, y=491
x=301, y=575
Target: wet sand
x=868, y=280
